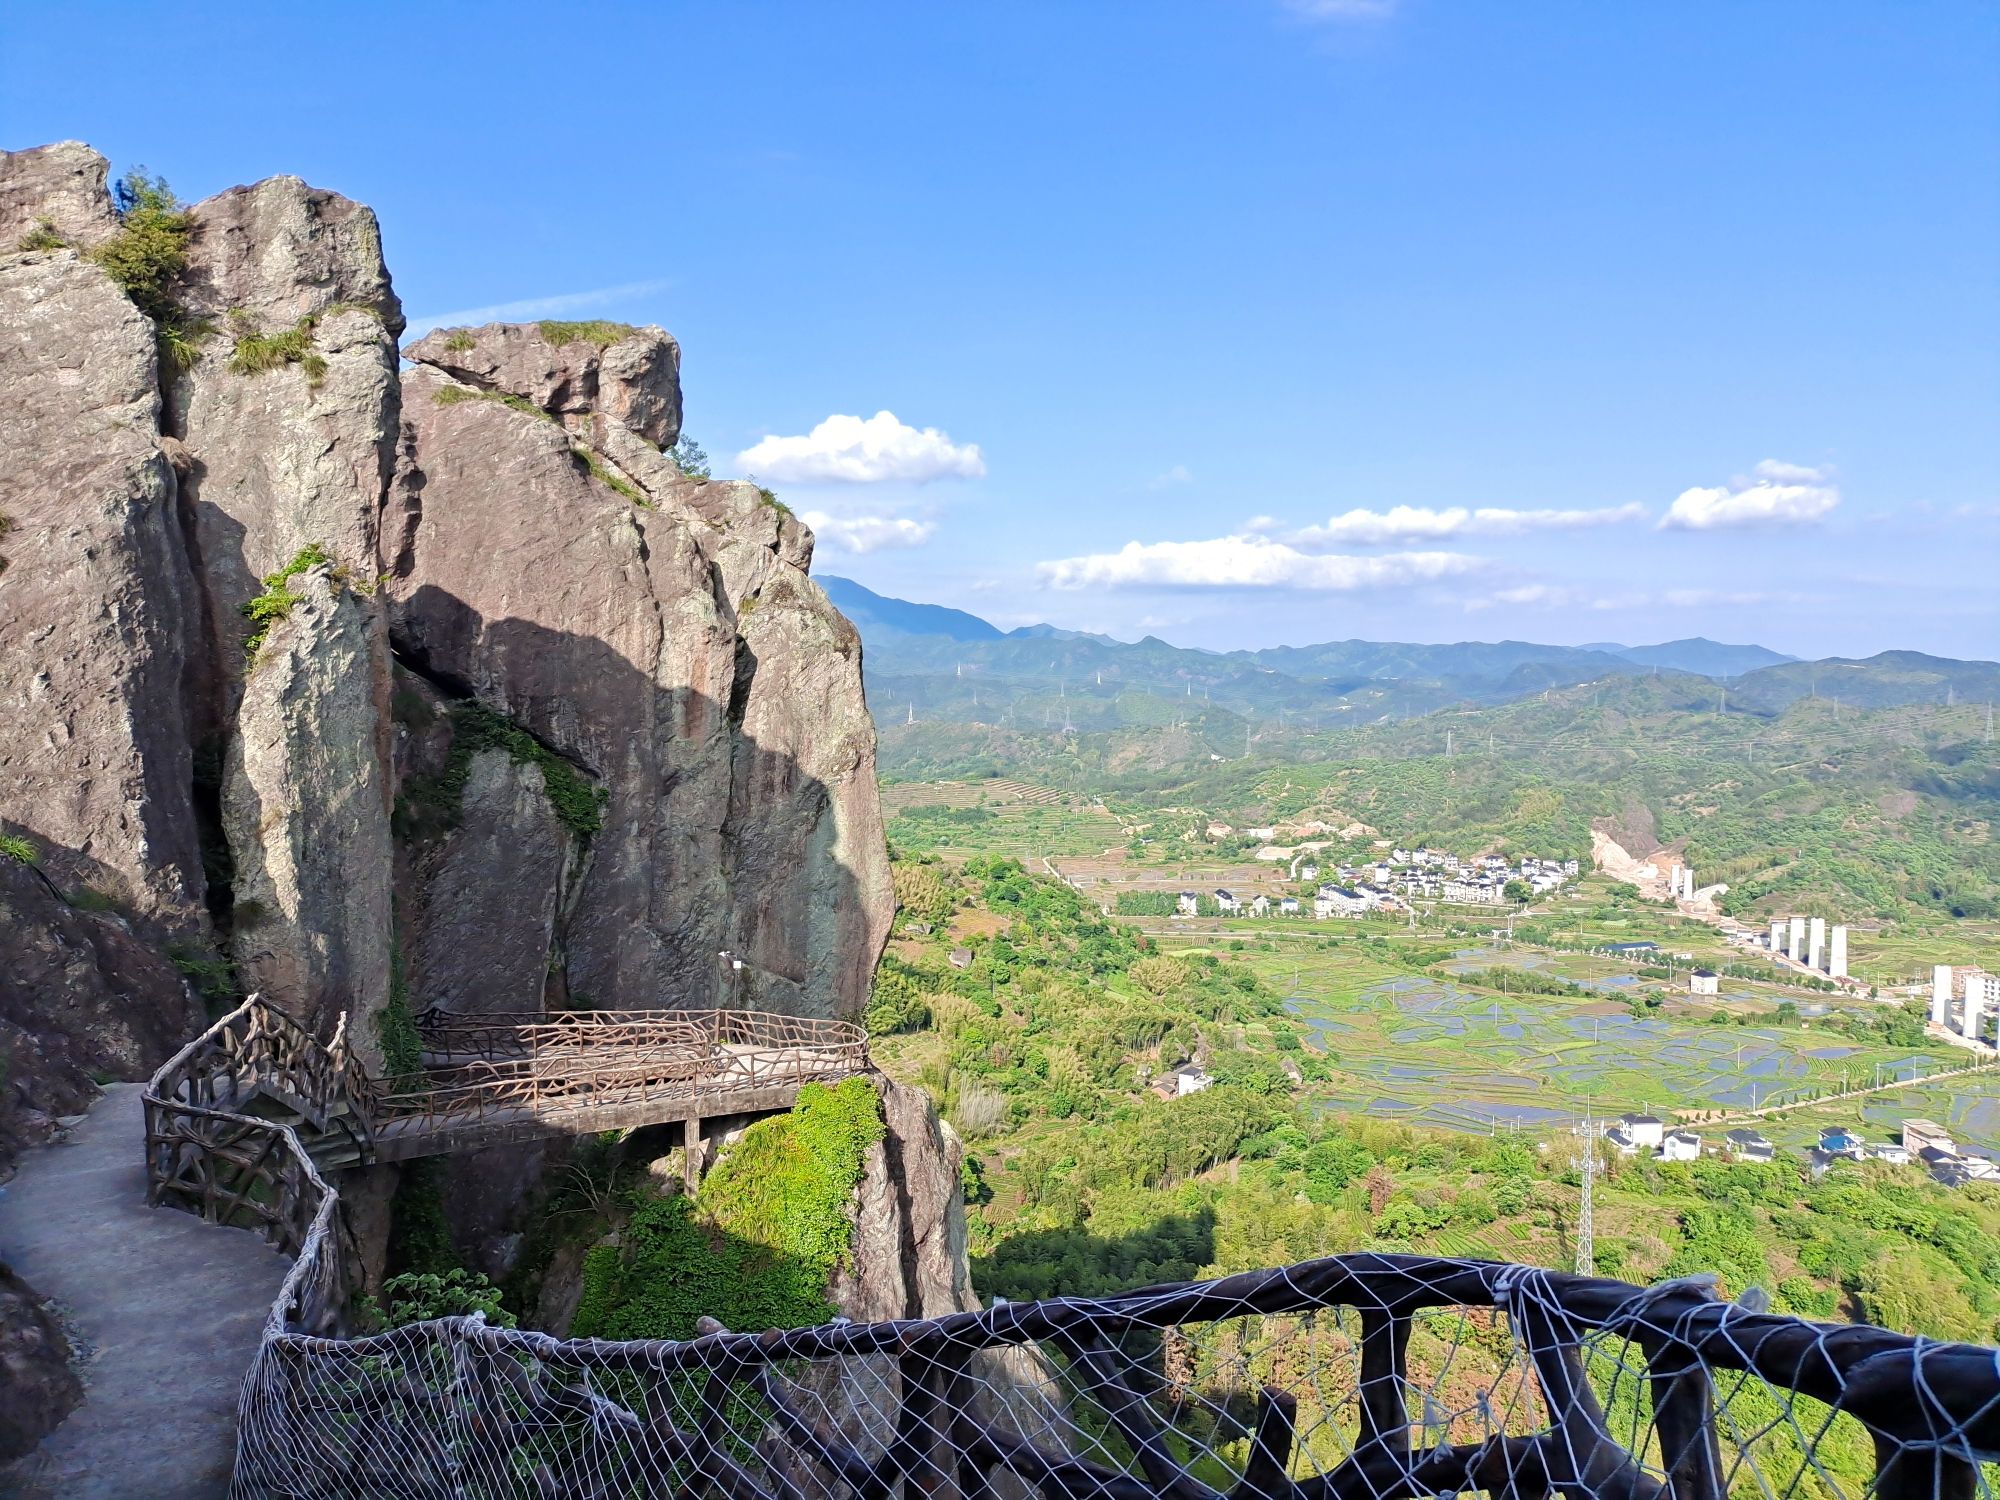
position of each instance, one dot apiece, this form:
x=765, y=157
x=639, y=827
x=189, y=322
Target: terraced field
x=1432, y=1051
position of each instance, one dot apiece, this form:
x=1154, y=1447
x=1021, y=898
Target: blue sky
x=1237, y=322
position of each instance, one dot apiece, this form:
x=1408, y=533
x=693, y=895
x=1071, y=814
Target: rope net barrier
x=1384, y=1376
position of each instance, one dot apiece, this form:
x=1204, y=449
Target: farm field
x=1016, y=818
x=1968, y=1106
x=1903, y=955
x=1427, y=1050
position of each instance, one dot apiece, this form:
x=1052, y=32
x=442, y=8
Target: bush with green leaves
x=418, y=1296
x=20, y=848
x=146, y=257
x=759, y=1246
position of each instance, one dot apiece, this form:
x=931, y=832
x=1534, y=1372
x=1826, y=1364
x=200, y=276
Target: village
x=1919, y=1143
x=1396, y=883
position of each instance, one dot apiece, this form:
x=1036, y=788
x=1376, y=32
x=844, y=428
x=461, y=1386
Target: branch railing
x=485, y=1066
x=234, y=1168
x=1301, y=1383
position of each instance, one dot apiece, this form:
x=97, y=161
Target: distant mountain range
x=893, y=623
x=928, y=662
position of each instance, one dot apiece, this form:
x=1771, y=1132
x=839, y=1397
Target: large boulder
x=630, y=375
x=61, y=188
x=37, y=1386
x=305, y=805
x=96, y=600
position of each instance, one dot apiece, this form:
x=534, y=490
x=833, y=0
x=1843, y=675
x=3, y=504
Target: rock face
x=636, y=738
x=81, y=997
x=282, y=460
x=909, y=1257
x=300, y=454
x=632, y=377
x=61, y=187
x=483, y=946
x=565, y=577
x=96, y=599
x=37, y=1386
x=305, y=807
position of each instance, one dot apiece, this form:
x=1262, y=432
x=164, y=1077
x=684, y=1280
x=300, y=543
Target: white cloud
x=1780, y=472
x=849, y=450
x=528, y=308
x=1416, y=523
x=860, y=534
x=1246, y=562
x=1178, y=474
x=1778, y=494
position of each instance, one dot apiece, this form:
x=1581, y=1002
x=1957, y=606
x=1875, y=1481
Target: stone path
x=167, y=1310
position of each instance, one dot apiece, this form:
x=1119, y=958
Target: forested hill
x=929, y=663
x=1886, y=812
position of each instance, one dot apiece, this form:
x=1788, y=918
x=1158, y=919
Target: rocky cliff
x=309, y=660
x=374, y=678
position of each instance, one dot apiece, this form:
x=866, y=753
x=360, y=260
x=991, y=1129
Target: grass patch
x=453, y=395
x=42, y=237
x=770, y=498
x=603, y=474
x=396, y=1023
x=258, y=352
x=460, y=341
x=277, y=600
x=22, y=850
x=90, y=898
x=599, y=332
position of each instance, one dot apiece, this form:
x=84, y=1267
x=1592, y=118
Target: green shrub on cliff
x=758, y=1247
x=277, y=600
x=146, y=257
x=432, y=804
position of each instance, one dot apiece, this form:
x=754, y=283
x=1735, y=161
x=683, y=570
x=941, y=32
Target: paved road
x=167, y=1308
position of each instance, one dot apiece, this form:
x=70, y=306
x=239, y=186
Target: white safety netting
x=1370, y=1375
